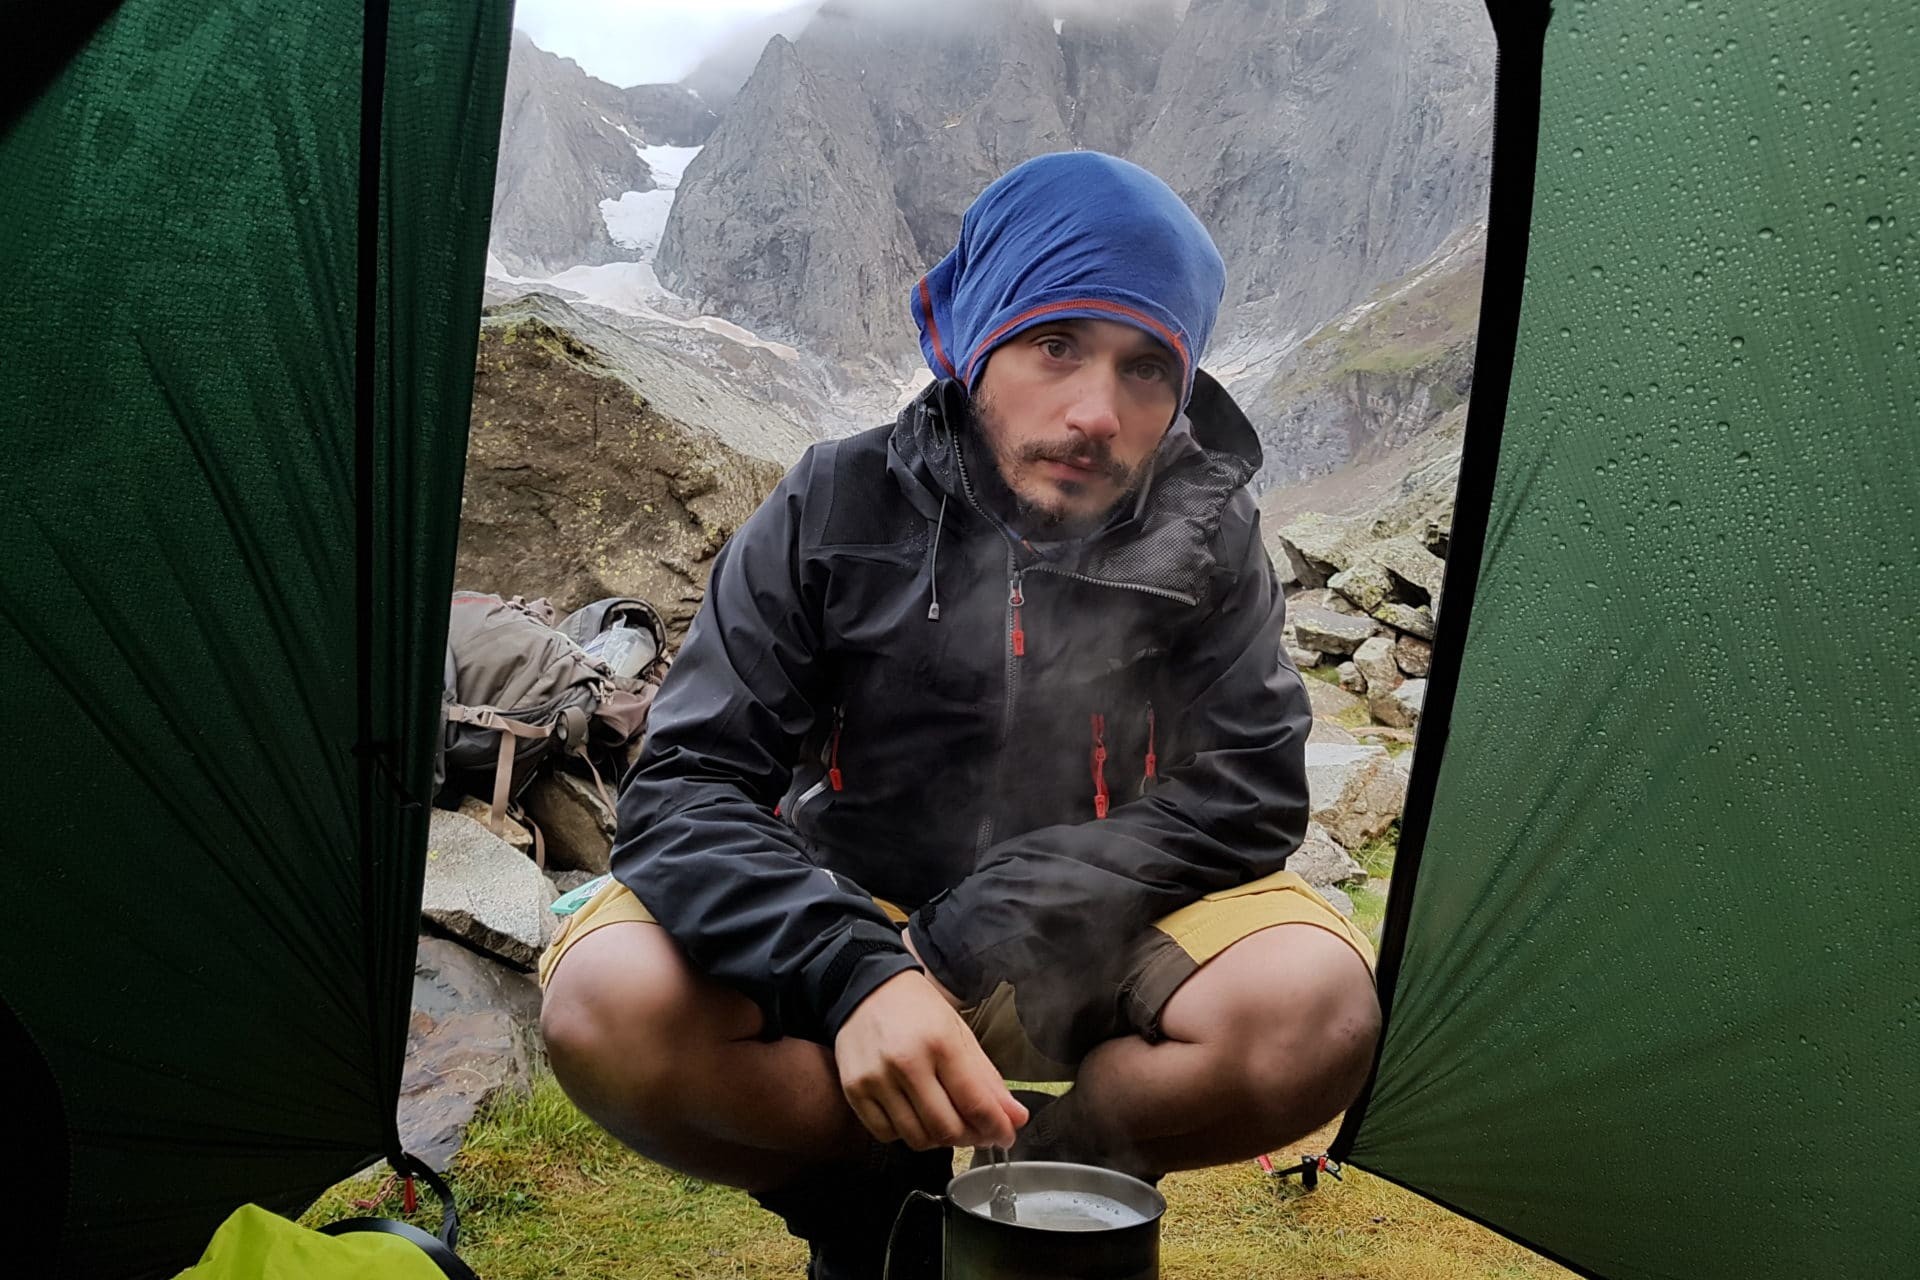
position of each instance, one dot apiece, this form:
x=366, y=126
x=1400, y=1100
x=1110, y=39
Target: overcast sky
x=635, y=41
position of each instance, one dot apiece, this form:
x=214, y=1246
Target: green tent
x=242, y=269
x=1652, y=960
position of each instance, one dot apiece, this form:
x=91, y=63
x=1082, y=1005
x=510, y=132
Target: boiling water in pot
x=1073, y=1211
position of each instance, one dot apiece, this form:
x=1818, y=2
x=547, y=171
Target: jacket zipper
x=1016, y=648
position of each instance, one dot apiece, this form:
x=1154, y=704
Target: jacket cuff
x=957, y=968
x=838, y=981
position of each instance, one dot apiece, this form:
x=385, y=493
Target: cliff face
x=843, y=167
x=567, y=142
x=786, y=222
x=1376, y=377
x=1329, y=147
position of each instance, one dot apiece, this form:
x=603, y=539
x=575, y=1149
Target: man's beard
x=1034, y=519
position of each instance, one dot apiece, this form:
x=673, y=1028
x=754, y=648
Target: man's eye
x=1153, y=370
x=1054, y=347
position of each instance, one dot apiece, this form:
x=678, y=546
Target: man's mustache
x=1094, y=457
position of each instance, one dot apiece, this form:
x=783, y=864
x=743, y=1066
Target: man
x=1009, y=674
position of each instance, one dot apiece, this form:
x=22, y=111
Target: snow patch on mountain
x=637, y=218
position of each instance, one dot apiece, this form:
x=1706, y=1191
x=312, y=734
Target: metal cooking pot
x=1083, y=1223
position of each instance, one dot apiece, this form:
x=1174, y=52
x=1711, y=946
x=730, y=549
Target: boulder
x=1302, y=659
x=1379, y=733
x=1355, y=792
x=474, y=1031
x=1406, y=559
x=1375, y=662
x=576, y=822
x=1414, y=656
x=1328, y=731
x=1321, y=544
x=1350, y=678
x=1322, y=598
x=1330, y=632
x=1330, y=702
x=1405, y=617
x=565, y=882
x=484, y=892
x=1366, y=585
x=1336, y=898
x=510, y=831
x=1400, y=707
x=1321, y=861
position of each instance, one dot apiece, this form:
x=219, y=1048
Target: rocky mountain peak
x=569, y=141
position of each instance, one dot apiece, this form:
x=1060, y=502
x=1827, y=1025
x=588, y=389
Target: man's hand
x=912, y=1071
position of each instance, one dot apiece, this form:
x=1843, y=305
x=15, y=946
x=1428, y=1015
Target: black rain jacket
x=1061, y=752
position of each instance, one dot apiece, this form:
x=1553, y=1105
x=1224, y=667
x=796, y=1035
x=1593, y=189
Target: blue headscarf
x=1076, y=234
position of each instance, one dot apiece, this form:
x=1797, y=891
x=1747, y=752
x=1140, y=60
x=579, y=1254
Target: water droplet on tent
x=1831, y=207
x=1739, y=342
x=1874, y=223
x=1743, y=457
x=1766, y=233
x=1598, y=271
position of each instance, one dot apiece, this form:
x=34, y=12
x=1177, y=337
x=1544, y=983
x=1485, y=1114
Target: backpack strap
x=510, y=731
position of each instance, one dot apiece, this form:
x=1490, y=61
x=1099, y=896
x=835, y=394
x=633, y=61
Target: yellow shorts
x=1174, y=948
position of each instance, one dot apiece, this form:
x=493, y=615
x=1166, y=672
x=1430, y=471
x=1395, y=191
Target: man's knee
x=615, y=1009
x=1293, y=1013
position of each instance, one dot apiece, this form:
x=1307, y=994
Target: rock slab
x=484, y=892
x=474, y=1031
x=1330, y=632
x=1355, y=792
x=1322, y=862
x=575, y=821
x=1400, y=707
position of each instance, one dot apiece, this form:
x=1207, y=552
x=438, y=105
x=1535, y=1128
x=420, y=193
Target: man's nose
x=1094, y=411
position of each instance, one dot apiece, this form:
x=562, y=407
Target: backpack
x=519, y=692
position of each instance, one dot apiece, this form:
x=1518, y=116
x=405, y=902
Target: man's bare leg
x=1264, y=1043
x=667, y=1061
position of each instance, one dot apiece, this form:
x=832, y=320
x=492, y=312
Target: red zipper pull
x=1019, y=633
x=1152, y=759
x=833, y=760
x=1099, y=766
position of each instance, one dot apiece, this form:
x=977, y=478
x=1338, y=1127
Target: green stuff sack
x=254, y=1244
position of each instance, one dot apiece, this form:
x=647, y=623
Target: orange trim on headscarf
x=1133, y=314
x=933, y=328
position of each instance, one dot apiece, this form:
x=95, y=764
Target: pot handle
x=893, y=1236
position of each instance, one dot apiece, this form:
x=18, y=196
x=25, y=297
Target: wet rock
x=1337, y=898
x=484, y=892
x=1375, y=661
x=1413, y=656
x=576, y=822
x=473, y=1032
x=510, y=831
x=1366, y=585
x=1328, y=731
x=1330, y=702
x=1320, y=544
x=1380, y=733
x=1406, y=559
x=565, y=882
x=1304, y=658
x=1350, y=678
x=1418, y=621
x=1355, y=792
x=1321, y=861
x=1400, y=707
x=1331, y=632
x=1322, y=598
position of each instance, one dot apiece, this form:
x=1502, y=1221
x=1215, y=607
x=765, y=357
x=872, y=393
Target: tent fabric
x=222, y=684
x=1654, y=998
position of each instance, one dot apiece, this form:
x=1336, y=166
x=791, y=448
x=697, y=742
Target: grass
x=545, y=1193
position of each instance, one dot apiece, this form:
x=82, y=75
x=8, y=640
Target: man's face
x=1072, y=412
